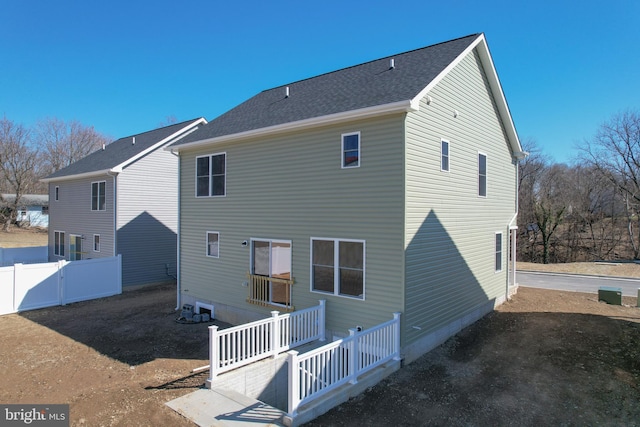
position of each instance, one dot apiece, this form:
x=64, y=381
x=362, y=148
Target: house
x=122, y=199
x=33, y=211
x=389, y=186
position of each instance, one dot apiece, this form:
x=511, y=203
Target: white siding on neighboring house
x=147, y=218
x=450, y=230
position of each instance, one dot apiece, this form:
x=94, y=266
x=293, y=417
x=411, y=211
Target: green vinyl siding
x=450, y=231
x=292, y=187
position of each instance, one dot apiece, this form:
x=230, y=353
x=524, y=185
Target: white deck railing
x=319, y=371
x=244, y=344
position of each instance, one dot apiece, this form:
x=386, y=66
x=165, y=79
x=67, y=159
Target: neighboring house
x=389, y=186
x=33, y=210
x=121, y=200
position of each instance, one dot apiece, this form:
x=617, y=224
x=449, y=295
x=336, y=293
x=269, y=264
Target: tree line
x=586, y=211
x=29, y=154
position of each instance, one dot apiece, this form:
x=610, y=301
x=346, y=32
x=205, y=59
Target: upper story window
x=98, y=197
x=351, y=150
x=444, y=155
x=57, y=193
x=211, y=175
x=337, y=267
x=482, y=175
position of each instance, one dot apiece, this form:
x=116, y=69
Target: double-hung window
x=98, y=197
x=58, y=243
x=351, y=150
x=211, y=174
x=498, y=252
x=213, y=244
x=337, y=267
x=482, y=175
x=444, y=155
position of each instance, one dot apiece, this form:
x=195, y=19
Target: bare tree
x=615, y=153
x=62, y=143
x=18, y=162
x=530, y=170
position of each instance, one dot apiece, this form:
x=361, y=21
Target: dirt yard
x=544, y=358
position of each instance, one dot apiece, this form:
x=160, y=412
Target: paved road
x=570, y=282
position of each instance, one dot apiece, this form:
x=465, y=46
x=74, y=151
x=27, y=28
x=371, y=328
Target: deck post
x=353, y=356
x=294, y=383
x=275, y=334
x=213, y=352
x=396, y=337
x=322, y=320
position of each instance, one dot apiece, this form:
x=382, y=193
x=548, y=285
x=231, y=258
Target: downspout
x=178, y=297
x=115, y=212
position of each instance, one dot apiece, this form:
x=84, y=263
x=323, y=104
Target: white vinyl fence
x=244, y=344
x=30, y=286
x=28, y=255
x=319, y=371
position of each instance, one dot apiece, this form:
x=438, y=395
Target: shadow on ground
x=136, y=327
x=514, y=368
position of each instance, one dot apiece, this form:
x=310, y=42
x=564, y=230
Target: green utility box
x=610, y=295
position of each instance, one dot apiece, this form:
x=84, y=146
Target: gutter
x=520, y=155
x=377, y=110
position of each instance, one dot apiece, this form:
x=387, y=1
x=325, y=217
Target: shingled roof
x=395, y=80
x=121, y=152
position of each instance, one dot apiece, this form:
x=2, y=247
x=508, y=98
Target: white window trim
x=211, y=175
x=206, y=242
x=486, y=176
x=94, y=243
x=336, y=271
x=442, y=141
x=58, y=247
x=495, y=252
x=56, y=193
x=105, y=197
x=342, y=166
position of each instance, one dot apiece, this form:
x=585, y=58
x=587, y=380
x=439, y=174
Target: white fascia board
x=378, y=110
x=180, y=133
x=494, y=83
x=79, y=175
x=118, y=168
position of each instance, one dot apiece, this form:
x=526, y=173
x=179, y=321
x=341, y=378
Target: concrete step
x=225, y=408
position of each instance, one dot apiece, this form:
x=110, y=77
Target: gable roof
x=124, y=151
x=392, y=84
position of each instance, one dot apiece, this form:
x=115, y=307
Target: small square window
x=213, y=244
x=351, y=150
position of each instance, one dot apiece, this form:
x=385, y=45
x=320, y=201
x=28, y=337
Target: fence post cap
x=275, y=313
x=352, y=331
x=213, y=327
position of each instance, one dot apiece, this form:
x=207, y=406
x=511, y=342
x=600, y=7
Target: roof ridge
x=372, y=61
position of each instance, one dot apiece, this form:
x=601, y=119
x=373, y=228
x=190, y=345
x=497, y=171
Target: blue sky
x=124, y=67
